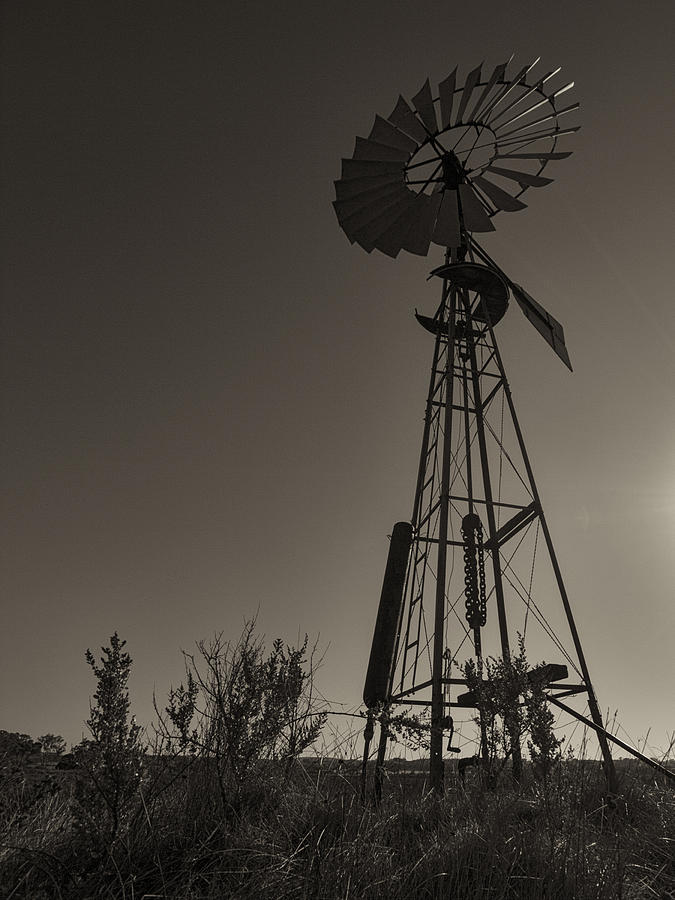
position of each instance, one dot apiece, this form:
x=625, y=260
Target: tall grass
x=304, y=833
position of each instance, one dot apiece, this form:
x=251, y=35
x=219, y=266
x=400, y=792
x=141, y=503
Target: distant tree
x=112, y=759
x=52, y=743
x=17, y=752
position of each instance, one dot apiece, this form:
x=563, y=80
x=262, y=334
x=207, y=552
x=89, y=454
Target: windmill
x=465, y=573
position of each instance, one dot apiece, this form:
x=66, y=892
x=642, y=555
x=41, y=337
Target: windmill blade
x=361, y=218
x=505, y=91
x=369, y=239
x=405, y=119
x=562, y=90
x=537, y=87
x=383, y=132
x=447, y=231
x=352, y=187
x=345, y=207
x=496, y=76
x=551, y=115
x=548, y=327
x=366, y=149
x=419, y=237
x=526, y=139
x=391, y=240
x=446, y=92
x=424, y=104
x=362, y=168
x=543, y=156
x=475, y=217
x=417, y=211
x=516, y=116
x=502, y=112
x=367, y=232
x=472, y=80
x=520, y=177
x=500, y=198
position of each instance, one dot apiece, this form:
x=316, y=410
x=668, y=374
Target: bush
x=239, y=707
x=513, y=708
x=111, y=761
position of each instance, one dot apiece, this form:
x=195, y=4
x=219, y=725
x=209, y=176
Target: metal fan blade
x=391, y=241
x=548, y=327
x=516, y=116
x=424, y=104
x=538, y=86
x=500, y=198
x=505, y=91
x=446, y=92
x=385, y=133
x=352, y=187
x=405, y=119
x=526, y=139
x=520, y=177
x=447, y=231
x=473, y=212
x=562, y=90
x=365, y=168
x=365, y=149
x=355, y=221
x=552, y=115
x=496, y=76
x=542, y=156
x=345, y=207
x=367, y=235
x=422, y=222
x=472, y=80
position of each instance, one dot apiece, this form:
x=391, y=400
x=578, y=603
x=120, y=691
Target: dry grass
x=306, y=834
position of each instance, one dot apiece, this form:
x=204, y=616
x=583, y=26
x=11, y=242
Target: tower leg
x=608, y=762
x=381, y=752
x=436, y=767
x=367, y=738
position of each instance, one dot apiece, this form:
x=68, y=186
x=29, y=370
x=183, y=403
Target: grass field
x=303, y=832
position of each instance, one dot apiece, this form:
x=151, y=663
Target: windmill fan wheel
x=446, y=165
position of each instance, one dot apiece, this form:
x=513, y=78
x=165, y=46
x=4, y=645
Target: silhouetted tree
x=112, y=759
x=52, y=743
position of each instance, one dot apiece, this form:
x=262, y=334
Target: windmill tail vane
x=475, y=564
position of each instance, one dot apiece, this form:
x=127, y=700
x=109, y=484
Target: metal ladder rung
x=428, y=481
x=428, y=515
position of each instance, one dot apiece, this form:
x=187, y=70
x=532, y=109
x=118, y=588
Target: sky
x=212, y=403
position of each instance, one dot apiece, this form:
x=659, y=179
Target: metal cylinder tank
x=376, y=688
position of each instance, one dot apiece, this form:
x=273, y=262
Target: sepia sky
x=212, y=403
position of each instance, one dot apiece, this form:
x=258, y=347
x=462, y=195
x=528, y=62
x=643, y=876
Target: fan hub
x=453, y=171
x=452, y=157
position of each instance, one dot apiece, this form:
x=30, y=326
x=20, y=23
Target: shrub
x=513, y=707
x=240, y=706
x=111, y=761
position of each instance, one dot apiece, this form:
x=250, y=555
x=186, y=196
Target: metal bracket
x=513, y=526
